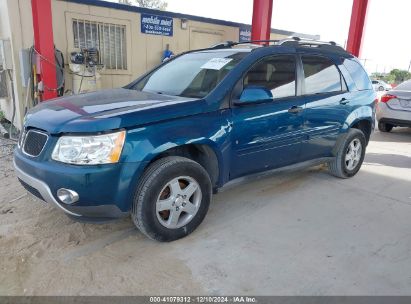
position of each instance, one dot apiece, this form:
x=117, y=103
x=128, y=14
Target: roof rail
x=324, y=45
x=223, y=45
x=229, y=44
x=292, y=41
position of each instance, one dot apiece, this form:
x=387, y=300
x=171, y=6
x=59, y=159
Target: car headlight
x=89, y=150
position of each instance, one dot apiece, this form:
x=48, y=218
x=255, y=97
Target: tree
x=395, y=76
x=400, y=75
x=154, y=4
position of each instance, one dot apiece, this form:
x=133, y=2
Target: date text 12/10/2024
x=204, y=299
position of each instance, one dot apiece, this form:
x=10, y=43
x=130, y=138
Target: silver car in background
x=394, y=108
x=381, y=85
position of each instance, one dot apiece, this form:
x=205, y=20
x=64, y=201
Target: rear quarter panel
x=363, y=108
x=362, y=101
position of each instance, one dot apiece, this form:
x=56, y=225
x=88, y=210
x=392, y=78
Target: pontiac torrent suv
x=161, y=146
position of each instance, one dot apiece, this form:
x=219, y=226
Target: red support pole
x=357, y=25
x=44, y=44
x=262, y=12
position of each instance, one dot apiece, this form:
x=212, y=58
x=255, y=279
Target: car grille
x=32, y=190
x=33, y=142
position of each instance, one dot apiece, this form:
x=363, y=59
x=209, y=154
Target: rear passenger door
x=326, y=108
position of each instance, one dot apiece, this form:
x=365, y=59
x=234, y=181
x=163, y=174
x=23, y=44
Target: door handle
x=295, y=110
x=344, y=101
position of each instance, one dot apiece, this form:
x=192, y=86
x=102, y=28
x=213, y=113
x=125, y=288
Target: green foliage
x=400, y=75
x=154, y=4
x=395, y=76
x=2, y=116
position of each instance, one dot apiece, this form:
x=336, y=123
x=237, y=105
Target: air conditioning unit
x=6, y=62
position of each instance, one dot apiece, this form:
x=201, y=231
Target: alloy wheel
x=178, y=202
x=353, y=154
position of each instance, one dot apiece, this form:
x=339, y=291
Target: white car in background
x=394, y=108
x=380, y=85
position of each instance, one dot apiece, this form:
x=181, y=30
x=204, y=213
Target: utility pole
x=364, y=61
x=409, y=67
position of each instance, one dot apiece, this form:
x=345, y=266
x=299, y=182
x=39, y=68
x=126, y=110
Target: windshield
x=191, y=75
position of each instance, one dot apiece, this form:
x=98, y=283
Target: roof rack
x=292, y=41
x=228, y=44
x=324, y=45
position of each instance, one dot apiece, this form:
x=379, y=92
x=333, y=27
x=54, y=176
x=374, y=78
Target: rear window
x=405, y=86
x=321, y=75
x=358, y=74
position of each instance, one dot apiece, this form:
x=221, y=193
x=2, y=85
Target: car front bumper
x=105, y=192
x=39, y=189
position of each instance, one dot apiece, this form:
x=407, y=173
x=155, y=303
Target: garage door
x=202, y=38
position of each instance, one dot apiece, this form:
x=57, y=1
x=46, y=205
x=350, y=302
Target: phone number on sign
x=204, y=299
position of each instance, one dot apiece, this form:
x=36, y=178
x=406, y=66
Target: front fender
x=143, y=144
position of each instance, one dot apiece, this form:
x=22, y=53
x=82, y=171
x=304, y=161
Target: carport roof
x=137, y=9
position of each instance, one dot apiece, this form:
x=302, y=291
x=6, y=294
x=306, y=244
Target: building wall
x=10, y=28
x=144, y=51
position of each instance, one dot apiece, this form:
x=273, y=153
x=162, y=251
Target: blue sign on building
x=156, y=25
x=245, y=33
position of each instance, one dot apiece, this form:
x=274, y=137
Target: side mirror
x=254, y=94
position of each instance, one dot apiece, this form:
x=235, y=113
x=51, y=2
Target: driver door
x=267, y=131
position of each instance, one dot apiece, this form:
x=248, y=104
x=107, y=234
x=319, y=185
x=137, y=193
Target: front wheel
x=350, y=155
x=171, y=199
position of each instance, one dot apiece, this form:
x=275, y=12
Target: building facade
x=131, y=40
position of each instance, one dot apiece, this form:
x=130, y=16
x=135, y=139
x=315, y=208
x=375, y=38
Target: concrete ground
x=301, y=233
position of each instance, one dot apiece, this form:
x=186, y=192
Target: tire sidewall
x=384, y=127
x=146, y=203
x=354, y=133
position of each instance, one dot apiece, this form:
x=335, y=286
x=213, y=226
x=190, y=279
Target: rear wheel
x=381, y=88
x=350, y=155
x=384, y=127
x=171, y=199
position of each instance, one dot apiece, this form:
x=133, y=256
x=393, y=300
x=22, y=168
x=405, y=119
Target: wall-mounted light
x=184, y=24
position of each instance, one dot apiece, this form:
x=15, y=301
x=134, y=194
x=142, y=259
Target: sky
x=386, y=43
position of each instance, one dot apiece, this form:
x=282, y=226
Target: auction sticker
x=216, y=63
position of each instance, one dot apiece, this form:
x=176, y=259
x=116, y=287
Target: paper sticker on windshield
x=216, y=63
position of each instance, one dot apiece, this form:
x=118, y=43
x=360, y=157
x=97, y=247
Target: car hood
x=108, y=110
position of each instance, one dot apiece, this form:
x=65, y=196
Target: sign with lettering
x=156, y=25
x=245, y=33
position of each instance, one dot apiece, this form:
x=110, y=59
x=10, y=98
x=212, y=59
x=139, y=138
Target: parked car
x=394, y=108
x=381, y=85
x=161, y=146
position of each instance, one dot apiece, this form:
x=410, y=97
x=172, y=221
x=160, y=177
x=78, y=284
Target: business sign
x=156, y=25
x=245, y=33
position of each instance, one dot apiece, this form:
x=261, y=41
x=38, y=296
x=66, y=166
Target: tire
x=381, y=88
x=384, y=127
x=339, y=166
x=163, y=185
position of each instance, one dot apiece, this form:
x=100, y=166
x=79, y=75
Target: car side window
x=276, y=73
x=358, y=74
x=321, y=75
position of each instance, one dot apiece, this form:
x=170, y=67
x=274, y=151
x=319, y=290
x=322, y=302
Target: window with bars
x=109, y=39
x=3, y=85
